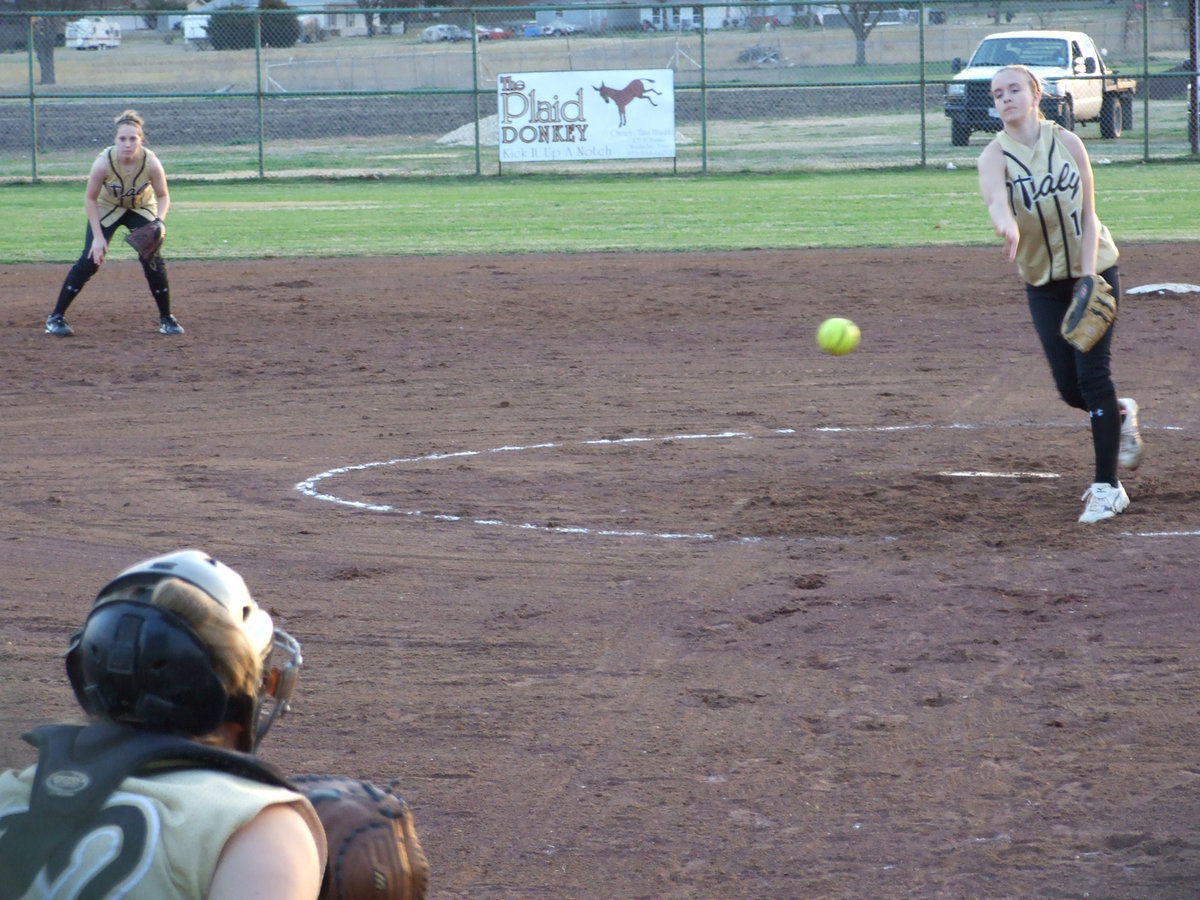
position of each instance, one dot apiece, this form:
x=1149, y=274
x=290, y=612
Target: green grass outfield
x=553, y=214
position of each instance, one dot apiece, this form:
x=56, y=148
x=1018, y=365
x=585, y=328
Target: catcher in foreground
x=126, y=187
x=1036, y=180
x=162, y=795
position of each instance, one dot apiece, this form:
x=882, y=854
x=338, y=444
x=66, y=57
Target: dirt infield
x=632, y=590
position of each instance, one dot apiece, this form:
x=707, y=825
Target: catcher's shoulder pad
x=374, y=850
x=78, y=769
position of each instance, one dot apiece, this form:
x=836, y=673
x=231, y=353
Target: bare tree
x=154, y=9
x=45, y=37
x=46, y=30
x=367, y=6
x=862, y=19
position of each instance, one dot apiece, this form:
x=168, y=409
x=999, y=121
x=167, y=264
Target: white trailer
x=195, y=31
x=93, y=33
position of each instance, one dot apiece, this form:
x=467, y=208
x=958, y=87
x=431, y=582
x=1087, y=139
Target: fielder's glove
x=374, y=853
x=1090, y=314
x=147, y=239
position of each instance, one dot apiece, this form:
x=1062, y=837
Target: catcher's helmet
x=137, y=663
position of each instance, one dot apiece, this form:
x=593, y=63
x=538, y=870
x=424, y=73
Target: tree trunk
x=862, y=19
x=45, y=31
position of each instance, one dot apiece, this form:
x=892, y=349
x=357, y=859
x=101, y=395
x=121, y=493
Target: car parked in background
x=443, y=32
x=493, y=33
x=560, y=29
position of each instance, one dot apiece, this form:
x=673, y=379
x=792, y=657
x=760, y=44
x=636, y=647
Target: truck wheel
x=960, y=134
x=1127, y=111
x=1112, y=118
x=1066, y=116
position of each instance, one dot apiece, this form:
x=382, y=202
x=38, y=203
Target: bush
x=234, y=30
x=279, y=29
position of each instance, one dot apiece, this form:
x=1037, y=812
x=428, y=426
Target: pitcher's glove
x=374, y=853
x=1090, y=314
x=147, y=239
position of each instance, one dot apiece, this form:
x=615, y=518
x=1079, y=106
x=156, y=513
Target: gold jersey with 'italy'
x=1045, y=192
x=127, y=187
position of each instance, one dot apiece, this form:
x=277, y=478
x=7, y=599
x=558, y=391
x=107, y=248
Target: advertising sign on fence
x=612, y=114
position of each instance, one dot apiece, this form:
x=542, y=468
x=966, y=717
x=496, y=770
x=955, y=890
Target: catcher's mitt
x=1090, y=314
x=147, y=239
x=373, y=847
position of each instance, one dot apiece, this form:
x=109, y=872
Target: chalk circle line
x=309, y=487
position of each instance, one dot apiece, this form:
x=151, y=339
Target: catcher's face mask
x=109, y=661
x=280, y=671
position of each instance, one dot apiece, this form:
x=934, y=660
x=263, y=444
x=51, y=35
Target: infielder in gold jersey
x=126, y=187
x=1036, y=180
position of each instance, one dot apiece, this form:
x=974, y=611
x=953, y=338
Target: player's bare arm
x=995, y=196
x=273, y=858
x=95, y=184
x=158, y=180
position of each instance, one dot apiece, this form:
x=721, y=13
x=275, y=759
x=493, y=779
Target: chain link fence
x=413, y=92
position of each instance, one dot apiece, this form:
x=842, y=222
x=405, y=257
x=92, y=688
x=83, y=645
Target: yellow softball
x=838, y=336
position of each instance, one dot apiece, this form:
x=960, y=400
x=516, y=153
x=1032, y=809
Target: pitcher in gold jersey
x=127, y=187
x=1036, y=179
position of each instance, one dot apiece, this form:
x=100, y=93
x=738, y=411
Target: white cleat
x=1103, y=502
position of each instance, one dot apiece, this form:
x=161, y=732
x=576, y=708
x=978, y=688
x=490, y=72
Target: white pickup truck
x=1076, y=85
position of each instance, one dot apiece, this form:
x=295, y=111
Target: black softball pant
x=1083, y=380
x=154, y=268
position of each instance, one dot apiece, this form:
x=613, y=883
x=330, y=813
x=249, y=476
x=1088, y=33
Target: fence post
x=32, y=99
x=703, y=101
x=258, y=90
x=921, y=78
x=1194, y=99
x=1146, y=81
x=475, y=83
